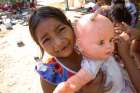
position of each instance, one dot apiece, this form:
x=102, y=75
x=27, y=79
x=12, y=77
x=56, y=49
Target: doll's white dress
x=113, y=72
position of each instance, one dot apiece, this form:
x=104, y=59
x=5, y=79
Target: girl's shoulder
x=53, y=71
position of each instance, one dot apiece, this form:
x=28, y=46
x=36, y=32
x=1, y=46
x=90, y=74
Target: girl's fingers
x=108, y=86
x=127, y=28
x=99, y=77
x=125, y=36
x=125, y=25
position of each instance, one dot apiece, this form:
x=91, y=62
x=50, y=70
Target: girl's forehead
x=47, y=26
x=50, y=21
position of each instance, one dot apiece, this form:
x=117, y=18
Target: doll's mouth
x=63, y=48
x=109, y=53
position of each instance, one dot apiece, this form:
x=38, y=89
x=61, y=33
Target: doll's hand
x=63, y=88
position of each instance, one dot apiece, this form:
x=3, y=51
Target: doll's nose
x=110, y=46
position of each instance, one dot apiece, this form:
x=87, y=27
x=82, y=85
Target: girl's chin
x=66, y=54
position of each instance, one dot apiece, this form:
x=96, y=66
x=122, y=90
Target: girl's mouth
x=65, y=47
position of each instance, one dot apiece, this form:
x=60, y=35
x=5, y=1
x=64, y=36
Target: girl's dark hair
x=120, y=13
x=42, y=14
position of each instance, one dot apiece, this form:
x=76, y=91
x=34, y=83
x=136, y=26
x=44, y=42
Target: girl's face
x=55, y=37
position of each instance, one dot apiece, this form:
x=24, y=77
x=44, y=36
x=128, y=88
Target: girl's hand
x=97, y=85
x=123, y=45
x=132, y=32
x=120, y=27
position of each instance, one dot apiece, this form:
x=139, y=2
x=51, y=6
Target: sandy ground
x=17, y=74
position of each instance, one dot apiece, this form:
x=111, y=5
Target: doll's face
x=95, y=38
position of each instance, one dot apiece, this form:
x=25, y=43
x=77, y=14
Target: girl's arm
x=46, y=87
x=135, y=49
x=129, y=62
x=95, y=86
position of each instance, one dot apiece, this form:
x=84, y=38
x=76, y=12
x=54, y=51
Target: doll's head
x=94, y=37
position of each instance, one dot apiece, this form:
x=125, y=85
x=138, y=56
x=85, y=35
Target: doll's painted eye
x=101, y=42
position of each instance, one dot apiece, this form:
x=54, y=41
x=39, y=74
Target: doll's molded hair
x=95, y=14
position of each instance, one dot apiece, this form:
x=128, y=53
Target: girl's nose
x=58, y=45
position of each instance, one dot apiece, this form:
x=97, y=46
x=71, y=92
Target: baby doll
x=95, y=42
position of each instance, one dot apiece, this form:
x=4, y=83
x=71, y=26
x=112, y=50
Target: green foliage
x=4, y=1
x=13, y=1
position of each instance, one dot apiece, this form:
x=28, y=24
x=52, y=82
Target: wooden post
x=66, y=5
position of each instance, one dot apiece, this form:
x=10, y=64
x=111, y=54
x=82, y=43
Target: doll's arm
x=74, y=83
x=82, y=77
x=88, y=72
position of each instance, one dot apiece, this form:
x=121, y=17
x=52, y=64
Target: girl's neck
x=73, y=61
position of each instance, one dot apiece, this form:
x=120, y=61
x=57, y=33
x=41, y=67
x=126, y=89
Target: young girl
x=51, y=30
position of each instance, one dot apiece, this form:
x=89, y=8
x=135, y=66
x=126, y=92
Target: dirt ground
x=17, y=74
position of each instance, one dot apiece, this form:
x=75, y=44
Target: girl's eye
x=62, y=29
x=46, y=40
x=101, y=42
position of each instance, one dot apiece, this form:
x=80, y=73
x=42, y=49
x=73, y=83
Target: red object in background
x=33, y=4
x=18, y=4
x=0, y=6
